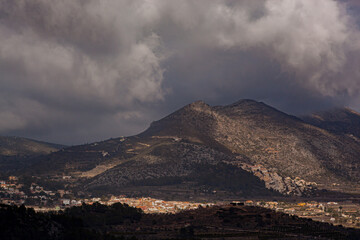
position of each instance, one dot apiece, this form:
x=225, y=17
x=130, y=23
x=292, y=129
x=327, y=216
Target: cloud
x=83, y=70
x=310, y=38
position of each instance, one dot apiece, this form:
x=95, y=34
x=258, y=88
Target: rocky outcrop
x=284, y=185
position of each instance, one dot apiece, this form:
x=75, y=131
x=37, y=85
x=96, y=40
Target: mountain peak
x=198, y=105
x=198, y=102
x=244, y=101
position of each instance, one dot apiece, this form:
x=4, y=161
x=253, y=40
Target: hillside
x=341, y=121
x=245, y=146
x=15, y=152
x=267, y=137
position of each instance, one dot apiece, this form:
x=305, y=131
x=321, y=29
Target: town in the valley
x=12, y=192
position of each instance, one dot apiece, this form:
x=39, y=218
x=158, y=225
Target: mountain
x=244, y=149
x=15, y=152
x=266, y=136
x=341, y=121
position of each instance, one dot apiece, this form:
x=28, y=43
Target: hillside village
x=344, y=213
x=13, y=193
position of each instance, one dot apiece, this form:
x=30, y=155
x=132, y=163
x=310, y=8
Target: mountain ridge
x=18, y=152
x=284, y=152
x=341, y=121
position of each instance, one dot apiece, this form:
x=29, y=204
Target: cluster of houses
x=344, y=213
x=12, y=192
x=152, y=205
x=148, y=205
x=36, y=196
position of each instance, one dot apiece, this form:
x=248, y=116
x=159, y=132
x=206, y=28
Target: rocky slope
x=245, y=145
x=266, y=136
x=175, y=163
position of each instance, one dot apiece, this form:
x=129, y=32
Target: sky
x=79, y=71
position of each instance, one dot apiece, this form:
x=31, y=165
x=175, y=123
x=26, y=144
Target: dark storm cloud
x=82, y=70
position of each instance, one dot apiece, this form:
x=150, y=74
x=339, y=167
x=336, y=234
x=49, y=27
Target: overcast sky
x=77, y=71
